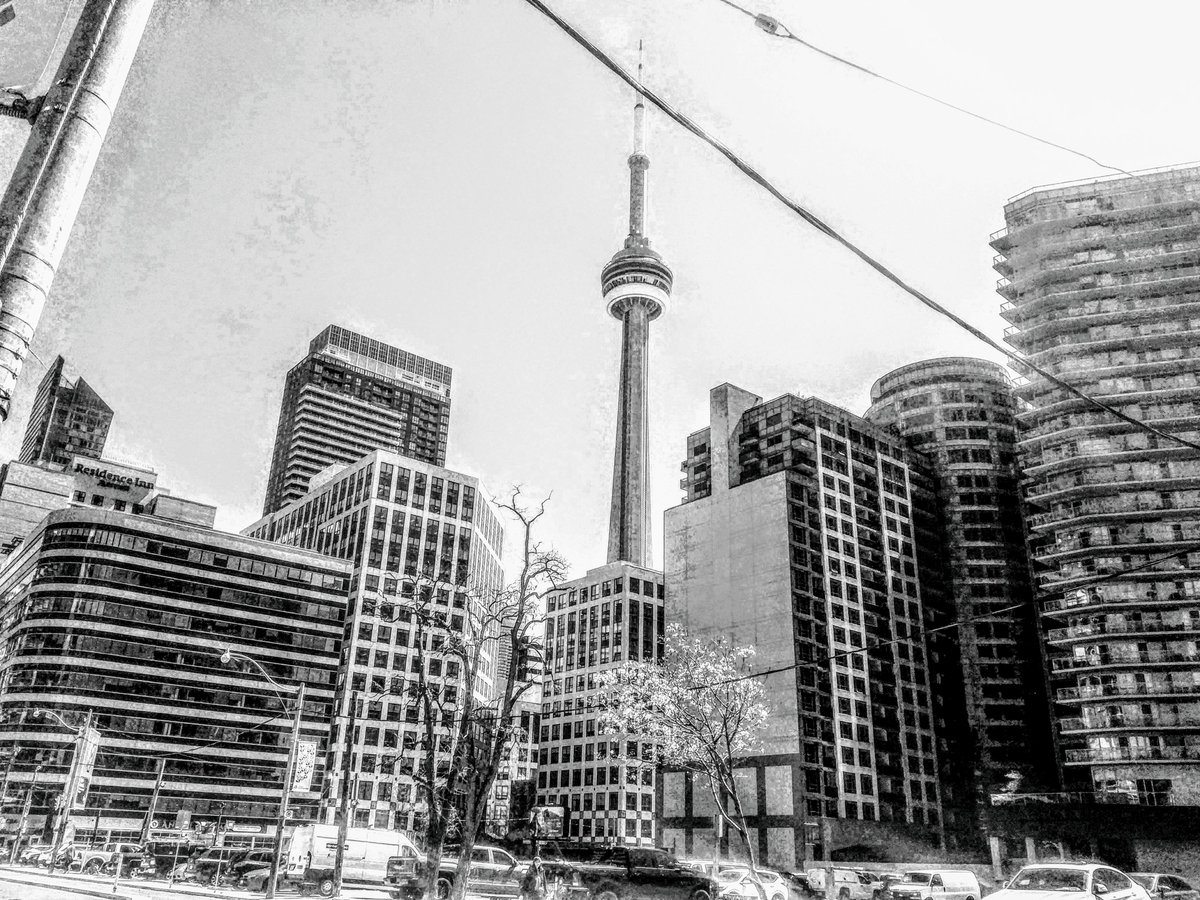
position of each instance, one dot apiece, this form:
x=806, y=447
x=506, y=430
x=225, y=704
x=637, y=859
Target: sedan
x=1069, y=881
x=1166, y=887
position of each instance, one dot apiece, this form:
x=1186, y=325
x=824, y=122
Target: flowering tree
x=701, y=711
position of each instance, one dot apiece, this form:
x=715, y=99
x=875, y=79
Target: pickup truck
x=625, y=873
x=494, y=873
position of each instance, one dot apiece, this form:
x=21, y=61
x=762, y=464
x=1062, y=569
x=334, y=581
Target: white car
x=1068, y=881
x=735, y=884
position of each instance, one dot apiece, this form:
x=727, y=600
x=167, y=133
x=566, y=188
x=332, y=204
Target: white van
x=312, y=849
x=937, y=884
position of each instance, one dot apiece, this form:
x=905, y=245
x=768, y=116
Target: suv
x=96, y=859
x=839, y=883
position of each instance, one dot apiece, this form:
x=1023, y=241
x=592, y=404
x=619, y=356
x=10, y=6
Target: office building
x=126, y=616
x=514, y=794
x=68, y=419
x=606, y=782
x=351, y=395
x=421, y=541
x=962, y=414
x=1102, y=287
x=31, y=491
x=811, y=534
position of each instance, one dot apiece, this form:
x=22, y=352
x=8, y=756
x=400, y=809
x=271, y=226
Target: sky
x=450, y=176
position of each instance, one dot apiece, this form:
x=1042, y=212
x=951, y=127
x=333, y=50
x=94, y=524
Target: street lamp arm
x=39, y=711
x=228, y=656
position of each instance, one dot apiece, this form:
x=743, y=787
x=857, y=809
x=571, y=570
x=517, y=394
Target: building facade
x=811, y=534
x=351, y=395
x=68, y=419
x=1102, y=287
x=962, y=413
x=421, y=542
x=126, y=616
x=605, y=782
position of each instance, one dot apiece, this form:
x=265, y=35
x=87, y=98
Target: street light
x=228, y=656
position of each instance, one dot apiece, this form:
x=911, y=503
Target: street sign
x=548, y=821
x=306, y=764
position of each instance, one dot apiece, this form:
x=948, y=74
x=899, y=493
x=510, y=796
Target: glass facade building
x=68, y=419
x=351, y=395
x=1102, y=287
x=126, y=616
x=421, y=541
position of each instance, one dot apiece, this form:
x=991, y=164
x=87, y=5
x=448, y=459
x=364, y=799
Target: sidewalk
x=134, y=889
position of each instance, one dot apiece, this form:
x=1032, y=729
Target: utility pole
x=12, y=857
x=71, y=786
x=339, y=855
x=48, y=184
x=289, y=774
x=162, y=768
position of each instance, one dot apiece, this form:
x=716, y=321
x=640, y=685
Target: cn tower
x=637, y=289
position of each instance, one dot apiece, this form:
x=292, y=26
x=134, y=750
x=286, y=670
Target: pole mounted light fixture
x=227, y=656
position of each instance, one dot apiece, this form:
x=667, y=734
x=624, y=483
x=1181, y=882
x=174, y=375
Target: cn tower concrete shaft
x=47, y=187
x=629, y=515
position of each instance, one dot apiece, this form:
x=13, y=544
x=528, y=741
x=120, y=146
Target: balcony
x=1160, y=719
x=1132, y=754
x=1148, y=689
x=1099, y=660
x=1099, y=629
x=1084, y=599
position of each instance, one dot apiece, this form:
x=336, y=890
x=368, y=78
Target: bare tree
x=468, y=711
x=700, y=709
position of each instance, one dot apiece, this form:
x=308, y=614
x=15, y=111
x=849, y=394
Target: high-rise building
x=606, y=782
x=962, y=414
x=811, y=534
x=421, y=540
x=1102, y=287
x=126, y=616
x=68, y=419
x=351, y=395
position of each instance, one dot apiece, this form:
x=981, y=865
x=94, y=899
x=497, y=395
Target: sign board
x=183, y=819
x=306, y=764
x=548, y=821
x=80, y=777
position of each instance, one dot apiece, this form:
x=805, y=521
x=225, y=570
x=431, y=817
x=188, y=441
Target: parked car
x=1167, y=887
x=312, y=851
x=736, y=884
x=616, y=873
x=211, y=865
x=936, y=884
x=798, y=881
x=257, y=879
x=841, y=883
x=247, y=861
x=494, y=872
x=30, y=855
x=1070, y=881
x=95, y=860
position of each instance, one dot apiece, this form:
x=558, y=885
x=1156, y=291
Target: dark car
x=617, y=873
x=212, y=864
x=247, y=861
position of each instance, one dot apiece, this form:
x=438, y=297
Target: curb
x=4, y=876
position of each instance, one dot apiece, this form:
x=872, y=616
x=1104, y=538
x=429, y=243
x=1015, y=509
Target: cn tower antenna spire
x=637, y=290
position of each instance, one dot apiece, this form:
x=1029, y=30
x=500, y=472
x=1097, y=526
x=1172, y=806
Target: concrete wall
x=728, y=573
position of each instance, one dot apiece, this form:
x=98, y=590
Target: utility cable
x=775, y=28
x=819, y=663
x=821, y=226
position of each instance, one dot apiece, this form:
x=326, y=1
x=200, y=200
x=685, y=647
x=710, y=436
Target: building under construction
x=1102, y=283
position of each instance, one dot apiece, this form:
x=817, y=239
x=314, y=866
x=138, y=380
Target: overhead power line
x=820, y=225
x=819, y=663
x=774, y=27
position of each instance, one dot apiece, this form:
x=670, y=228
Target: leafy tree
x=701, y=711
